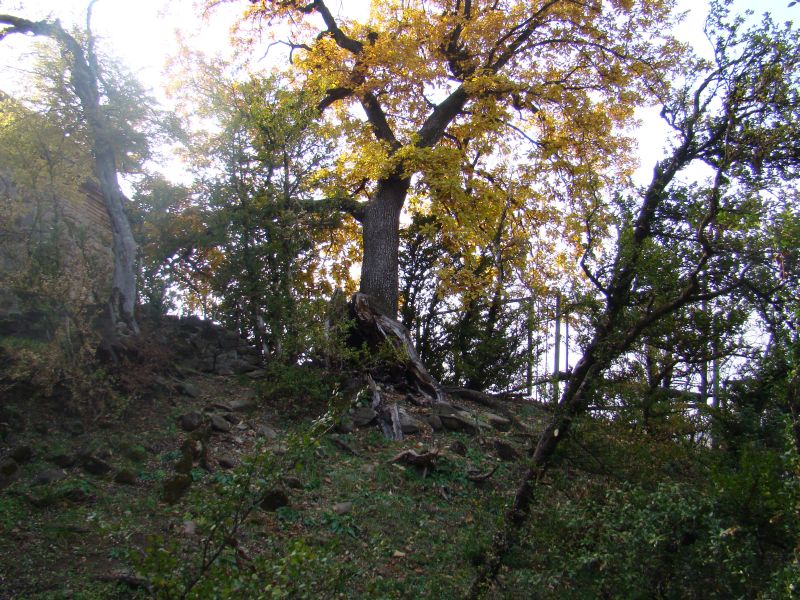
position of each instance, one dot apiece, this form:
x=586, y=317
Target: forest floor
x=83, y=513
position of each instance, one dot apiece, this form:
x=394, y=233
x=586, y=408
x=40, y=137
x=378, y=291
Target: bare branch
x=342, y=40
x=377, y=119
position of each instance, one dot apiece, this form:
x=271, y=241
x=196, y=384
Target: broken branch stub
x=388, y=416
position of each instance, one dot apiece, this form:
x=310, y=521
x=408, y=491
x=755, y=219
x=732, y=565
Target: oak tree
x=426, y=91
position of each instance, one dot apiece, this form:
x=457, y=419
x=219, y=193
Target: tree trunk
x=381, y=237
x=375, y=328
x=123, y=293
x=84, y=80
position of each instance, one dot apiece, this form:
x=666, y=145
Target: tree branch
x=448, y=109
x=342, y=40
x=377, y=119
x=333, y=95
x=343, y=204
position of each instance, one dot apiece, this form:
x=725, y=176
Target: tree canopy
x=447, y=90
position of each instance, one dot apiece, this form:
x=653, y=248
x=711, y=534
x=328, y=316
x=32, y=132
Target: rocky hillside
x=161, y=468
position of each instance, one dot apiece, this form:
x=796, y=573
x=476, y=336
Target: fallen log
x=412, y=457
x=478, y=477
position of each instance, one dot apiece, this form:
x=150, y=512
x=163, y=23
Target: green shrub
x=733, y=537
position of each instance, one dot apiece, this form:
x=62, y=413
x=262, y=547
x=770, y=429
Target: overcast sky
x=142, y=34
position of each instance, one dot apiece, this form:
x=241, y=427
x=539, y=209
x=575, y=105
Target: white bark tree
x=86, y=85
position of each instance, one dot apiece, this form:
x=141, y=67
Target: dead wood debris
x=477, y=476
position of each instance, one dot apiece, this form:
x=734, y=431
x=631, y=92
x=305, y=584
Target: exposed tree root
x=377, y=329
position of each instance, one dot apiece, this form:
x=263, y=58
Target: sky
x=143, y=35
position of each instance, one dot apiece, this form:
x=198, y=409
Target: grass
x=407, y=533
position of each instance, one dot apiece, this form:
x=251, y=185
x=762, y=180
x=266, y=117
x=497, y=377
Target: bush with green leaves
x=731, y=535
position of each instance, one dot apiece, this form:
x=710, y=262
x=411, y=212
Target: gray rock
x=224, y=369
x=458, y=422
x=188, y=389
x=443, y=408
x=240, y=366
x=191, y=421
x=224, y=363
x=265, y=431
x=162, y=385
x=243, y=405
x=219, y=423
x=229, y=340
x=498, y=422
x=249, y=353
x=204, y=365
x=362, y=416
x=49, y=476
x=434, y=421
x=342, y=508
x=257, y=374
x=409, y=425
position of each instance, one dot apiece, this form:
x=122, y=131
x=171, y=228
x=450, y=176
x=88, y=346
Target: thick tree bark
x=381, y=236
